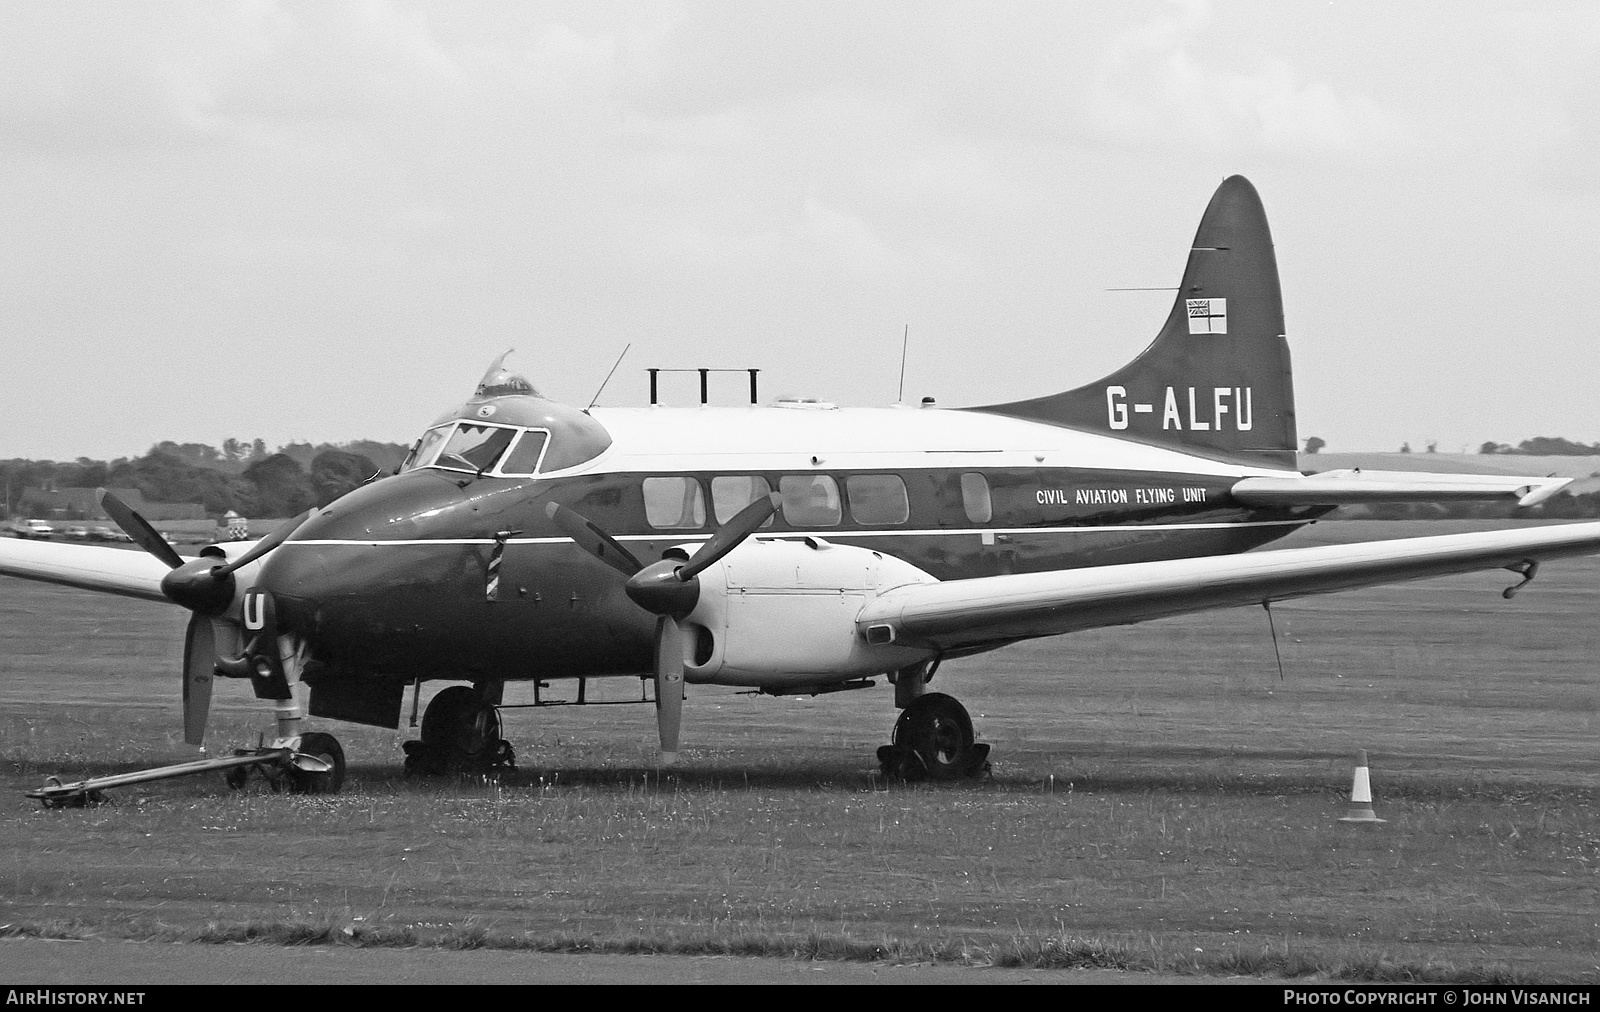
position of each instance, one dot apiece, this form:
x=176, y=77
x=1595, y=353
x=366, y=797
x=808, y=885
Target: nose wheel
x=933, y=740
x=460, y=734
x=327, y=748
x=288, y=774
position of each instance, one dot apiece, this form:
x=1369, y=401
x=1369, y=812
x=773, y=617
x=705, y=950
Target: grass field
x=1159, y=799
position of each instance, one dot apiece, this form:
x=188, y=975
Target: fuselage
x=451, y=571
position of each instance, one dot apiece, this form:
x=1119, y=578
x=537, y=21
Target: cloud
x=1165, y=82
x=79, y=78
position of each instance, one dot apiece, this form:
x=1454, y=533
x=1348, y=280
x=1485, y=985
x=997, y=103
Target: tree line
x=1545, y=446
x=1538, y=446
x=243, y=477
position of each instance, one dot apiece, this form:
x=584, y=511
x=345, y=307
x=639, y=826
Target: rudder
x=1216, y=381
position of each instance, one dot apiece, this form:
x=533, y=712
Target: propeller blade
x=265, y=545
x=669, y=686
x=199, y=663
x=593, y=540
x=139, y=529
x=730, y=534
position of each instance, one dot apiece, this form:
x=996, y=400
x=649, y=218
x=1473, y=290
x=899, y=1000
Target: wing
x=989, y=611
x=109, y=570
x=1343, y=488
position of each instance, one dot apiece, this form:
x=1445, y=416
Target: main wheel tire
x=451, y=722
x=327, y=748
x=453, y=738
x=939, y=731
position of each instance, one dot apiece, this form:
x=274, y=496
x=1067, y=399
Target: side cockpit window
x=524, y=457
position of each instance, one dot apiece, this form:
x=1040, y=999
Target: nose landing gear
x=460, y=734
x=327, y=748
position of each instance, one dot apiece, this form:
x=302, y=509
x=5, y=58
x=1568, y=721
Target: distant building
x=84, y=504
x=173, y=511
x=76, y=503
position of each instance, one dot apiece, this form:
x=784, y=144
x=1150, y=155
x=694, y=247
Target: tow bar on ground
x=55, y=794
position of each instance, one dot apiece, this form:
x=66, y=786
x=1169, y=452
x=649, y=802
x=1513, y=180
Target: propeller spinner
x=669, y=589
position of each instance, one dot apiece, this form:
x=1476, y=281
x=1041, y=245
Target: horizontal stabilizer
x=108, y=570
x=992, y=610
x=1344, y=488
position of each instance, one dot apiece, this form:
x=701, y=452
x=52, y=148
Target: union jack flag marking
x=1207, y=316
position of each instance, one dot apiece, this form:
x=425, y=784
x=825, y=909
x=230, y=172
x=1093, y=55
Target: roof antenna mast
x=603, y=382
x=905, y=340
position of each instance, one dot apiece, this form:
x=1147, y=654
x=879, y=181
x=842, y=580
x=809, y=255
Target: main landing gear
x=933, y=737
x=460, y=734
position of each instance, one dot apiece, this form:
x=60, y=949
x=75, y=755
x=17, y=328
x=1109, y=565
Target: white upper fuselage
x=878, y=439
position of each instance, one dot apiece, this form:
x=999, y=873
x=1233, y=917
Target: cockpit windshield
x=508, y=430
x=480, y=449
x=474, y=447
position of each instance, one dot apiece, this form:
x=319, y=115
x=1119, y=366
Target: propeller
x=669, y=589
x=204, y=586
x=139, y=529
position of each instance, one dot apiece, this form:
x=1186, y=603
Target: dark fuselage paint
x=391, y=579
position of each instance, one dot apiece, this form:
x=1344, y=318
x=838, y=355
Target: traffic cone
x=1361, y=794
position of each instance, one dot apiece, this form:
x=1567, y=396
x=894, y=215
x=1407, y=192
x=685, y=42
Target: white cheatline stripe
x=832, y=533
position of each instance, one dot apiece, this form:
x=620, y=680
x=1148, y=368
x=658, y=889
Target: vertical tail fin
x=1216, y=380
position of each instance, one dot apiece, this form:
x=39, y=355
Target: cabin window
x=474, y=447
x=674, y=502
x=809, y=500
x=731, y=493
x=975, y=498
x=524, y=457
x=877, y=499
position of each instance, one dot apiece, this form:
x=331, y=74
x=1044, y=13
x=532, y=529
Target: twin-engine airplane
x=797, y=548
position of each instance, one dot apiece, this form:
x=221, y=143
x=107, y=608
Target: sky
x=321, y=221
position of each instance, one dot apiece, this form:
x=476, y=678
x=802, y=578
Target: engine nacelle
x=782, y=615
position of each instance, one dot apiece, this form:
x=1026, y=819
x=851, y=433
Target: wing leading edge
x=87, y=567
x=989, y=611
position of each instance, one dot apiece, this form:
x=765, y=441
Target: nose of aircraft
x=408, y=530
x=383, y=575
